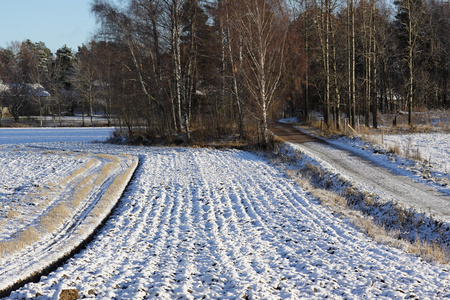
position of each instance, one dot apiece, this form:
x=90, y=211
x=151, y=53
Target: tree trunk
x=306, y=97
x=327, y=63
x=368, y=65
x=374, y=61
x=236, y=69
x=323, y=34
x=176, y=60
x=353, y=87
x=349, y=63
x=91, y=105
x=410, y=65
x=336, y=89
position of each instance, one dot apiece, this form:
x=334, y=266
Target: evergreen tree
x=64, y=67
x=63, y=71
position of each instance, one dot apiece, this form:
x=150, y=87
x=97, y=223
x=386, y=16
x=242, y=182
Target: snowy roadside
x=388, y=200
x=389, y=195
x=433, y=148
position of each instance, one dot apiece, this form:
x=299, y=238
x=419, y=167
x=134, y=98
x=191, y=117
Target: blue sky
x=54, y=22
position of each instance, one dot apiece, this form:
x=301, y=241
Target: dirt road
x=368, y=174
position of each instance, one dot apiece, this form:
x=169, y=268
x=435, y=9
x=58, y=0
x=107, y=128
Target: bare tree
x=409, y=18
x=134, y=30
x=232, y=43
x=174, y=9
x=263, y=29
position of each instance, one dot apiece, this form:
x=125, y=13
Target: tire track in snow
x=87, y=210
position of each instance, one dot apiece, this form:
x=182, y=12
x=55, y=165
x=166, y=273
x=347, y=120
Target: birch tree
x=232, y=49
x=408, y=19
x=263, y=33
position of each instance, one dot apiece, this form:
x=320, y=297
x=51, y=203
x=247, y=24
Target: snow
x=47, y=135
x=223, y=224
x=423, y=157
x=27, y=172
x=433, y=149
x=51, y=202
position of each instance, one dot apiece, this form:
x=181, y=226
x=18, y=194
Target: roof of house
x=34, y=89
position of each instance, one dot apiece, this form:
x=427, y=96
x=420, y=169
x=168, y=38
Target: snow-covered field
x=432, y=148
x=51, y=201
x=46, y=135
x=225, y=224
x=27, y=175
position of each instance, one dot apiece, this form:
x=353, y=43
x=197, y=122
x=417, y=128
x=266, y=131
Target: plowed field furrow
x=199, y=223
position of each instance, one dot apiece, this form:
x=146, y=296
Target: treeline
x=36, y=82
x=204, y=70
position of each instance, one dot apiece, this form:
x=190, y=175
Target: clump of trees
x=365, y=57
x=28, y=73
x=204, y=70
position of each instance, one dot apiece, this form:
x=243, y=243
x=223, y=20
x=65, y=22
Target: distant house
x=31, y=89
x=15, y=97
x=3, y=88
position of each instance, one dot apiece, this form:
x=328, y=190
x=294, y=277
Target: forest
x=195, y=70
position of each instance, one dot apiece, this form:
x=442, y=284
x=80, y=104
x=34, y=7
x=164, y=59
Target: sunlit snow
x=227, y=224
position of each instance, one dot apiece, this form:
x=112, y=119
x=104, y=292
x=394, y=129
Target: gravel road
x=368, y=174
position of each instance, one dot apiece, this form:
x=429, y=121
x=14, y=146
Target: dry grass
x=422, y=120
x=372, y=136
x=54, y=218
x=343, y=203
x=394, y=148
x=430, y=251
x=49, y=152
x=58, y=214
x=228, y=144
x=111, y=158
x=90, y=164
x=11, y=214
x=44, y=203
x=105, y=171
x=373, y=139
x=117, y=186
x=20, y=242
x=338, y=204
x=82, y=190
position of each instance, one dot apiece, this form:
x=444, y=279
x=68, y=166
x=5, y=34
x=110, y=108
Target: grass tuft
x=54, y=218
x=20, y=241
